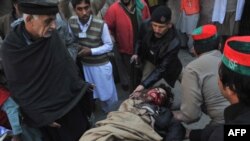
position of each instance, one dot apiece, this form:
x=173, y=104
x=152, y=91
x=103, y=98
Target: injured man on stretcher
x=144, y=116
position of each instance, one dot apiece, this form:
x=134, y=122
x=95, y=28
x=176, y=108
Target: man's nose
x=84, y=12
x=157, y=29
x=53, y=24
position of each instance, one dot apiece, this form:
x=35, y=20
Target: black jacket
x=162, y=52
x=165, y=124
x=234, y=114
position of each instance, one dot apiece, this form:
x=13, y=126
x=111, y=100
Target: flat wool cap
x=38, y=7
x=162, y=14
x=236, y=54
x=205, y=33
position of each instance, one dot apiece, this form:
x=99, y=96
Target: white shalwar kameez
x=101, y=75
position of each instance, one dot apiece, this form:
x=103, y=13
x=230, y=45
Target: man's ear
x=170, y=25
x=231, y=95
x=194, y=51
x=28, y=18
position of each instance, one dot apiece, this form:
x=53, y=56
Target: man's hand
x=137, y=92
x=139, y=88
x=187, y=135
x=177, y=115
x=135, y=95
x=55, y=125
x=134, y=58
x=84, y=51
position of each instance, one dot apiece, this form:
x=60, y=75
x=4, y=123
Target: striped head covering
x=236, y=55
x=205, y=33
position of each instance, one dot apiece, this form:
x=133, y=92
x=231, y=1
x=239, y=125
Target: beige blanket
x=126, y=124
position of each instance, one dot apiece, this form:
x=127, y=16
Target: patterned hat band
x=205, y=34
x=207, y=40
x=234, y=66
x=236, y=55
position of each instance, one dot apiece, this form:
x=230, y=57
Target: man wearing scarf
x=42, y=76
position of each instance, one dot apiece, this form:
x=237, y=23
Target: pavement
x=185, y=58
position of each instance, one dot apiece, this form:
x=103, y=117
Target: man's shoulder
x=174, y=43
x=114, y=6
x=210, y=57
x=205, y=62
x=98, y=20
x=14, y=38
x=73, y=19
x=196, y=63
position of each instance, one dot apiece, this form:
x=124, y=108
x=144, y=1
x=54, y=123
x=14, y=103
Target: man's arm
x=11, y=109
x=64, y=31
x=107, y=43
x=191, y=98
x=158, y=72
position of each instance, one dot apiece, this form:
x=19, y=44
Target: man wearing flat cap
x=42, y=76
x=158, y=50
x=234, y=84
x=199, y=79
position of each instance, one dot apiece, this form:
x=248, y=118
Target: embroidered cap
x=205, y=33
x=38, y=7
x=237, y=53
x=161, y=14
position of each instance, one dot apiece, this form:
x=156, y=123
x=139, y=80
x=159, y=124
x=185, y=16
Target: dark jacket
x=165, y=124
x=163, y=53
x=234, y=114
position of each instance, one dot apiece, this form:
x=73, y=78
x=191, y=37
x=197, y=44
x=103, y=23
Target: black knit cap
x=38, y=7
x=161, y=14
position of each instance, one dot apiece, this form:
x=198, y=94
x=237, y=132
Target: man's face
x=43, y=25
x=160, y=29
x=156, y=96
x=125, y=2
x=83, y=11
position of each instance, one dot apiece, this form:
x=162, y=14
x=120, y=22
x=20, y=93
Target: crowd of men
x=60, y=58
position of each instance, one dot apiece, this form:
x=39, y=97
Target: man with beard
x=92, y=36
x=124, y=18
x=144, y=116
x=41, y=75
x=158, y=50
